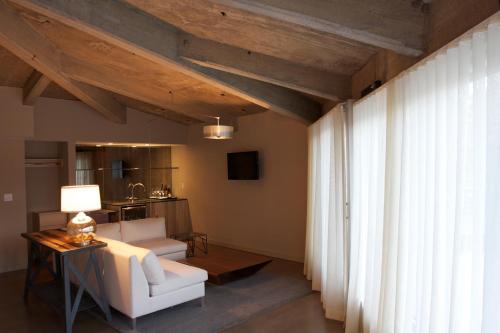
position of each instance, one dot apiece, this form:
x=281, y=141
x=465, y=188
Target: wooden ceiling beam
x=391, y=25
x=262, y=34
x=124, y=26
x=159, y=111
x=276, y=98
x=116, y=81
x=34, y=87
x=19, y=38
x=264, y=68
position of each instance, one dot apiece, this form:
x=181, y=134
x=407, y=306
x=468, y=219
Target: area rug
x=227, y=305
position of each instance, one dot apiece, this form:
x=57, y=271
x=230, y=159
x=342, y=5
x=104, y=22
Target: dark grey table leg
x=67, y=296
x=57, y=258
x=29, y=271
x=82, y=277
x=102, y=293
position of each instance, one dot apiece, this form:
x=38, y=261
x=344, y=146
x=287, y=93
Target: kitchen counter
x=174, y=211
x=138, y=202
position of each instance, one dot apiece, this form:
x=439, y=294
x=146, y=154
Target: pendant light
x=218, y=132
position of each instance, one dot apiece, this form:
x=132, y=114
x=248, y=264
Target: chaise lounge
x=139, y=272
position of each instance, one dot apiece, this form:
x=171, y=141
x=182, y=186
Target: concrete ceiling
x=185, y=60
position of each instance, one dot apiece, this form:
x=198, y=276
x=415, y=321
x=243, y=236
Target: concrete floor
x=36, y=316
x=302, y=315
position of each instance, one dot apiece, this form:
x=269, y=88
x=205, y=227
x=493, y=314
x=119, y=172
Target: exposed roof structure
x=185, y=60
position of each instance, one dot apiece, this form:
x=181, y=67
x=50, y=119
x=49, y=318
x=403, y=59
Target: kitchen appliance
x=133, y=212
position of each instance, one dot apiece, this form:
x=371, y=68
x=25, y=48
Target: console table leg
x=29, y=272
x=57, y=258
x=67, y=296
x=100, y=283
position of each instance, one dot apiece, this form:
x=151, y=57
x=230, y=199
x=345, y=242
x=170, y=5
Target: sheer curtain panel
x=426, y=195
x=84, y=168
x=324, y=257
x=367, y=176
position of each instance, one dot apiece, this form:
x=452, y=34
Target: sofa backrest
x=109, y=230
x=143, y=229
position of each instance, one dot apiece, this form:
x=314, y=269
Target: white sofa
x=139, y=276
x=149, y=233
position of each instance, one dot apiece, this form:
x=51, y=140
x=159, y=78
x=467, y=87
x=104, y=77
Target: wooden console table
x=55, y=241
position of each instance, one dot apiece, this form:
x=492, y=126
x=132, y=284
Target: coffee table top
x=224, y=264
x=59, y=241
x=188, y=235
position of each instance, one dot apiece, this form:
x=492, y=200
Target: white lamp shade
x=84, y=198
x=218, y=132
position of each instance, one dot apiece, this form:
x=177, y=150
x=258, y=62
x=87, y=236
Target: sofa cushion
x=162, y=246
x=137, y=230
x=50, y=220
x=148, y=260
x=109, y=230
x=150, y=265
x=177, y=276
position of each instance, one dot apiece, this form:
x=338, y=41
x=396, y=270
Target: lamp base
x=81, y=229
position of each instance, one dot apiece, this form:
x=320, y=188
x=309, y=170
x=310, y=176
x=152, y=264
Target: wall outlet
x=8, y=197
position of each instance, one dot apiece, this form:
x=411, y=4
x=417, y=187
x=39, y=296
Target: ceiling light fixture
x=218, y=132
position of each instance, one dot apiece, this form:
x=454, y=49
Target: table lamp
x=80, y=199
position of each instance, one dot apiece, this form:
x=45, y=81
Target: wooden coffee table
x=224, y=264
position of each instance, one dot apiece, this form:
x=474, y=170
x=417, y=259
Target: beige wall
x=266, y=216
x=56, y=120
x=16, y=122
x=62, y=120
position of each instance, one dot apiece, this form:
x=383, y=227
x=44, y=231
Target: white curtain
x=425, y=198
x=324, y=257
x=84, y=168
x=367, y=171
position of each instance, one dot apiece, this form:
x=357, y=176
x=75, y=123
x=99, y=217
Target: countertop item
x=139, y=201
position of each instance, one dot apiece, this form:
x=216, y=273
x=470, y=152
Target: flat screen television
x=243, y=165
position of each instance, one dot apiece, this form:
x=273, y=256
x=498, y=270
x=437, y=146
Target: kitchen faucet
x=130, y=185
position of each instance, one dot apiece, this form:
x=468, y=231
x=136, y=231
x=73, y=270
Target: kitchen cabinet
x=176, y=214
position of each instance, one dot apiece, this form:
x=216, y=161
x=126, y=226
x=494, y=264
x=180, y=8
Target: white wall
x=56, y=120
x=266, y=216
x=16, y=123
x=63, y=120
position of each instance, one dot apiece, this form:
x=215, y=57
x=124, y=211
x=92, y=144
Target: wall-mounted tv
x=243, y=165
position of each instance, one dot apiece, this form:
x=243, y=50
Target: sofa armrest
x=125, y=283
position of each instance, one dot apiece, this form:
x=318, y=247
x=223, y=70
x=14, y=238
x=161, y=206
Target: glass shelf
x=128, y=169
